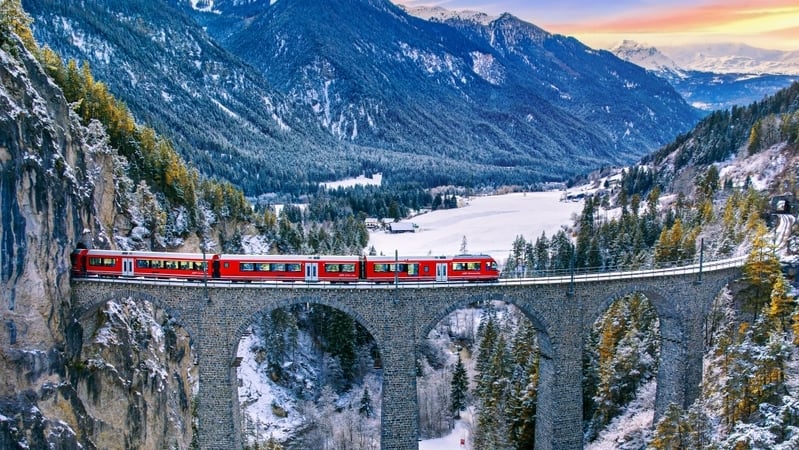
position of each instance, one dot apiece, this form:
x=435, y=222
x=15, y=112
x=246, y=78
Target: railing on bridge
x=584, y=274
x=557, y=276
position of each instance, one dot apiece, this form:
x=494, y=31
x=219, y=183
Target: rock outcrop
x=119, y=378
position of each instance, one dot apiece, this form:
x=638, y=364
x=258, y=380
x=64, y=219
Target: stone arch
x=670, y=376
x=538, y=320
x=287, y=301
x=658, y=299
x=284, y=301
x=546, y=404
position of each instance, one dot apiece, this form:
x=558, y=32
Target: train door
x=127, y=267
x=441, y=271
x=311, y=271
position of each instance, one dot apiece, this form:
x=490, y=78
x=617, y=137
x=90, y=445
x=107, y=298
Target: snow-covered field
x=374, y=180
x=458, y=439
x=489, y=223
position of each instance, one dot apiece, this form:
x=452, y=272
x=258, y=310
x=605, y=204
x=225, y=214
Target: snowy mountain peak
x=645, y=56
x=734, y=58
x=439, y=14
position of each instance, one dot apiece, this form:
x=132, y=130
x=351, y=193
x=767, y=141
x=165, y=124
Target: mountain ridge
x=458, y=60
x=276, y=97
x=707, y=90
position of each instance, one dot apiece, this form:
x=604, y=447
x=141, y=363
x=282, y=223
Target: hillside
x=124, y=379
x=273, y=97
x=723, y=135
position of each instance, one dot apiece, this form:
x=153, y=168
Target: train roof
x=276, y=258
x=140, y=254
x=383, y=258
x=279, y=258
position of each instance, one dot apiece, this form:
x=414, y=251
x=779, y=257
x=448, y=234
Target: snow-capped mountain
x=648, y=57
x=733, y=58
x=715, y=82
x=279, y=95
x=439, y=14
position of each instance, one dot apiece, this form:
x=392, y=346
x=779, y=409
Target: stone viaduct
x=563, y=310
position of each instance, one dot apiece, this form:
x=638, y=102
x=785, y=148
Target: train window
x=491, y=265
x=332, y=268
x=104, y=262
x=458, y=266
x=293, y=268
x=381, y=267
x=278, y=267
x=473, y=266
x=156, y=264
x=185, y=265
x=413, y=269
x=142, y=264
x=246, y=267
x=170, y=264
x=263, y=267
x=348, y=268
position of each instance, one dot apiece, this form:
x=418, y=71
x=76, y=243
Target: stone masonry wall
x=216, y=316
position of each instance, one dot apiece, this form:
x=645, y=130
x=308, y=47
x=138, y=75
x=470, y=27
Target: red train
x=341, y=269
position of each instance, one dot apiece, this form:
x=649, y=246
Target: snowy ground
x=374, y=180
x=490, y=225
x=257, y=396
x=633, y=428
x=452, y=441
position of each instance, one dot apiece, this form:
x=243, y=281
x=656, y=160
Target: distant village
x=389, y=225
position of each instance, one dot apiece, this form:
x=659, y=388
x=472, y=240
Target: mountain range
x=277, y=96
x=716, y=76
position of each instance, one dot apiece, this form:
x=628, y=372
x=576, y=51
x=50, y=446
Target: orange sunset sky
x=772, y=24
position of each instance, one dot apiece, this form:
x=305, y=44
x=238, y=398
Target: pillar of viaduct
x=217, y=316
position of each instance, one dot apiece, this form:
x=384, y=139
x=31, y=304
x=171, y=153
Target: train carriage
x=472, y=268
x=288, y=268
x=314, y=268
x=113, y=263
x=431, y=268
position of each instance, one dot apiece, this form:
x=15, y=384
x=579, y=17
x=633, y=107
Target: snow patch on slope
x=439, y=14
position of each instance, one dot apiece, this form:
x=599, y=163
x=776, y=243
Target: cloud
x=737, y=16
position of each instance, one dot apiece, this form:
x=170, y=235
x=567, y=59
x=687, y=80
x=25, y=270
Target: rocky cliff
x=118, y=377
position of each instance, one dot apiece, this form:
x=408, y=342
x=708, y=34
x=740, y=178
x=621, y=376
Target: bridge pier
x=400, y=411
x=396, y=311
x=219, y=426
x=559, y=417
x=682, y=347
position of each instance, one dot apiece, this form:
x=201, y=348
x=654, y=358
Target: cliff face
x=120, y=380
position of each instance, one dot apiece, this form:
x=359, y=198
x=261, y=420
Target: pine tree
x=521, y=404
x=760, y=270
x=795, y=326
x=669, y=431
x=781, y=305
x=14, y=19
x=365, y=409
x=460, y=388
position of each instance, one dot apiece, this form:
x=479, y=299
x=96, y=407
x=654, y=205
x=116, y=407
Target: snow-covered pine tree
x=366, y=409
x=460, y=388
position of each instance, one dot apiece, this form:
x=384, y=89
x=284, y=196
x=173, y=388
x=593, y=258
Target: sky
x=770, y=24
